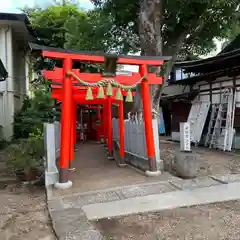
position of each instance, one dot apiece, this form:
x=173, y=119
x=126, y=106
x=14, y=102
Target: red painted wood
x=73, y=129
x=66, y=120
x=56, y=77
x=100, y=59
x=147, y=113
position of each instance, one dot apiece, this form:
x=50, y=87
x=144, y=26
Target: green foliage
x=49, y=24
x=88, y=32
x=34, y=112
x=3, y=144
x=25, y=154
x=231, y=34
x=200, y=20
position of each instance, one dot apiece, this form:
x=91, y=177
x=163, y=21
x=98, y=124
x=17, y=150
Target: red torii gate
x=66, y=88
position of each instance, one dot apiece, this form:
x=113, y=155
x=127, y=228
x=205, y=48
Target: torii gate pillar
x=66, y=124
x=147, y=113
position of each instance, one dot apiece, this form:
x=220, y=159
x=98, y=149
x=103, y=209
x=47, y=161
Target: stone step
x=164, y=201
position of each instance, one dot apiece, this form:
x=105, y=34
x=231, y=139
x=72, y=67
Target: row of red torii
x=71, y=87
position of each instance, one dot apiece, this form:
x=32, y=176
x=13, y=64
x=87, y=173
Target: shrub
x=34, y=112
x=25, y=154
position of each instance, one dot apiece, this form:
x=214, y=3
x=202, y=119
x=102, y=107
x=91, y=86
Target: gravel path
x=23, y=214
x=219, y=221
x=211, y=161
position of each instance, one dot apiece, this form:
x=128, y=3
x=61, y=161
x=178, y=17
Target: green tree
x=231, y=34
x=49, y=24
x=64, y=25
x=34, y=112
x=170, y=27
x=89, y=32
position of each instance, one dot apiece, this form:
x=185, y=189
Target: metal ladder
x=220, y=130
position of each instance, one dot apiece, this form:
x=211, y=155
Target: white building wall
x=175, y=89
x=12, y=90
x=6, y=87
x=219, y=83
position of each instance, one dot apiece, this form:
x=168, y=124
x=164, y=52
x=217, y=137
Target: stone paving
x=70, y=221
x=100, y=181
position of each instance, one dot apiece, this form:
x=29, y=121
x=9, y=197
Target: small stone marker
x=185, y=142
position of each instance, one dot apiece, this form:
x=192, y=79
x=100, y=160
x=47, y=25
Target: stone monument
x=186, y=162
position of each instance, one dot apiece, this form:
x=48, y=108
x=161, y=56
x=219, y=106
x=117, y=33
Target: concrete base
x=51, y=178
x=65, y=185
x=110, y=158
x=153, y=174
x=122, y=164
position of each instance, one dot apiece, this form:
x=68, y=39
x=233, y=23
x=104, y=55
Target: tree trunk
x=150, y=21
x=150, y=25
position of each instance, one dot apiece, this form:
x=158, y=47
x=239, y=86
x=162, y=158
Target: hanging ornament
x=100, y=93
x=129, y=97
x=89, y=94
x=109, y=89
x=119, y=95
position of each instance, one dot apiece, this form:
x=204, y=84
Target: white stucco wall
x=12, y=90
x=175, y=89
x=222, y=83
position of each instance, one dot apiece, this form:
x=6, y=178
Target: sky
x=13, y=6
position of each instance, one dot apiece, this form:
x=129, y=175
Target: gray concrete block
x=205, y=182
x=66, y=215
x=227, y=178
x=189, y=184
x=55, y=205
x=79, y=201
x=159, y=202
x=186, y=164
x=137, y=191
x=69, y=222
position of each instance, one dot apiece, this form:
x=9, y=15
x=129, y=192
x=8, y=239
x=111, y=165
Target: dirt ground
x=23, y=214
x=219, y=221
x=211, y=161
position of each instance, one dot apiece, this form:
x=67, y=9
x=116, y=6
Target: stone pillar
x=186, y=162
x=51, y=171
